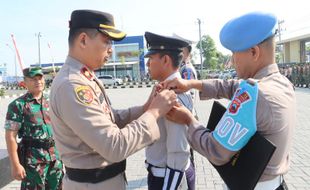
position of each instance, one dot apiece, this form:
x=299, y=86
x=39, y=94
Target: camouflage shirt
x=30, y=118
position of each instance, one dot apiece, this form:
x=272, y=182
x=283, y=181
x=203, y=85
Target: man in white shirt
x=168, y=158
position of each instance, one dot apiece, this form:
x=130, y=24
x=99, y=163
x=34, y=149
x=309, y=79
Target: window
x=127, y=52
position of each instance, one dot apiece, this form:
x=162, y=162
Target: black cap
x=32, y=71
x=102, y=21
x=157, y=43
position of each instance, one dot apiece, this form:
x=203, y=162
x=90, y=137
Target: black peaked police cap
x=157, y=43
x=103, y=22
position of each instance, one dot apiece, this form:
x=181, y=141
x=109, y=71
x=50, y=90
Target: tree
x=213, y=58
x=278, y=57
x=222, y=60
x=209, y=52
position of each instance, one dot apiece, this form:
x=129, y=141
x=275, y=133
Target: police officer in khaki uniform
x=94, y=139
x=168, y=159
x=273, y=110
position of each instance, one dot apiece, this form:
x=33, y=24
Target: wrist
x=191, y=120
x=16, y=165
x=154, y=112
x=196, y=84
x=144, y=107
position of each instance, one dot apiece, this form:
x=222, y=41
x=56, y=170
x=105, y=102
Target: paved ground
x=298, y=178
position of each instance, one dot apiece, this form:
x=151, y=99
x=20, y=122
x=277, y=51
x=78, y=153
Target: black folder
x=245, y=168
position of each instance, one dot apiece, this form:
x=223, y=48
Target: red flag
x=17, y=53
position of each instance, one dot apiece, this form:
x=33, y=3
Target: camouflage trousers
x=43, y=176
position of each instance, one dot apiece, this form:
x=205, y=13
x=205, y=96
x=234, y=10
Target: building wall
x=127, y=59
x=295, y=46
x=131, y=64
x=140, y=41
x=287, y=57
x=295, y=51
x=3, y=70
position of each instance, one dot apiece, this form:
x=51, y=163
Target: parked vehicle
x=110, y=80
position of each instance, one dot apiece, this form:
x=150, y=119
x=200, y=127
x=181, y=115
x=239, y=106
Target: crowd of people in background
x=298, y=74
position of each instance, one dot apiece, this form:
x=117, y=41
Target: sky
x=26, y=18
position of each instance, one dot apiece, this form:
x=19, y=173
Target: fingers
x=178, y=104
x=158, y=88
x=163, y=84
x=171, y=95
x=23, y=174
x=19, y=177
x=19, y=174
x=169, y=84
x=154, y=92
x=173, y=102
x=169, y=116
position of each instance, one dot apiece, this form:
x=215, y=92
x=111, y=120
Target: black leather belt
x=96, y=175
x=38, y=143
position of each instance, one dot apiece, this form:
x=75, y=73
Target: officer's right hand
x=178, y=85
x=156, y=89
x=180, y=114
x=162, y=103
x=18, y=172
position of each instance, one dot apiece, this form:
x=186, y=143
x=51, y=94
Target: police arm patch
x=238, y=124
x=84, y=94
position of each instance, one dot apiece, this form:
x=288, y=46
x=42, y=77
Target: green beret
x=32, y=71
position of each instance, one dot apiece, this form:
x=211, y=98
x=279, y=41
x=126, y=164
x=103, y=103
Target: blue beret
x=246, y=31
x=157, y=43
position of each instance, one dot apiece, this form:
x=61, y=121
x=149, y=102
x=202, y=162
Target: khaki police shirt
x=172, y=148
x=87, y=131
x=275, y=115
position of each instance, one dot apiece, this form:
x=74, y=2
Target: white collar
x=174, y=75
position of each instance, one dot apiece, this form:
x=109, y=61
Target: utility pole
x=280, y=22
x=39, y=54
x=200, y=45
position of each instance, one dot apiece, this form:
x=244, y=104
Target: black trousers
x=154, y=183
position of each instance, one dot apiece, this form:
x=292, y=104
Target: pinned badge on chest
x=101, y=98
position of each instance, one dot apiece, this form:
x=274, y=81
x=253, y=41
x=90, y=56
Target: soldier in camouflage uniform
x=301, y=76
x=307, y=75
x=35, y=160
x=294, y=75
